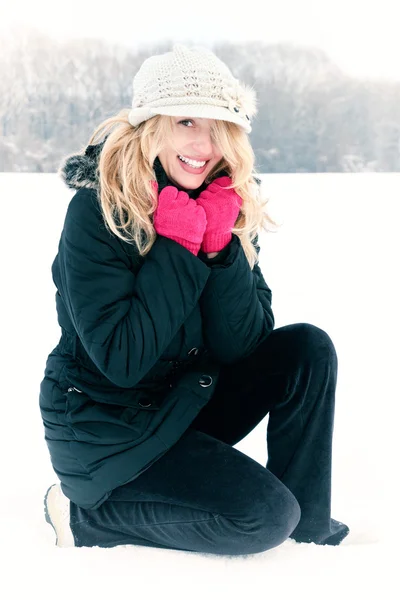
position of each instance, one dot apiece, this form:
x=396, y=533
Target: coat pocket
x=98, y=423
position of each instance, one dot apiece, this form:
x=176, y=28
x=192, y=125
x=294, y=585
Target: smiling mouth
x=187, y=163
x=190, y=169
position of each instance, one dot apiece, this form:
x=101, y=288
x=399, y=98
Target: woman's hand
x=179, y=218
x=222, y=209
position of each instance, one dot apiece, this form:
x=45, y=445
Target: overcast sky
x=361, y=36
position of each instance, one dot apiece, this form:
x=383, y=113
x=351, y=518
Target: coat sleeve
x=124, y=320
x=235, y=304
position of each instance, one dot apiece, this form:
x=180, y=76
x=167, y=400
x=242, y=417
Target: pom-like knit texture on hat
x=190, y=76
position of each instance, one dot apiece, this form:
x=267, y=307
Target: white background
x=361, y=37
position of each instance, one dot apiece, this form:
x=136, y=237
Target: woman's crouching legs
x=202, y=496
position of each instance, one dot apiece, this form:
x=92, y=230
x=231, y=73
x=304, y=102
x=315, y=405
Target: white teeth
x=192, y=163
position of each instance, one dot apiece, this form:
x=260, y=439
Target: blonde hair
x=125, y=172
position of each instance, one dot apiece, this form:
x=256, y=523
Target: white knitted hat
x=190, y=82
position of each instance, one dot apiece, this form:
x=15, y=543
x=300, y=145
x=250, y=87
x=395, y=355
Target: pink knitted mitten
x=222, y=208
x=179, y=218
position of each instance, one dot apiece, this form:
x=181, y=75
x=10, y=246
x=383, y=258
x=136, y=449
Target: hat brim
x=201, y=111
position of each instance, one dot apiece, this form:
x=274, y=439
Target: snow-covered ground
x=334, y=263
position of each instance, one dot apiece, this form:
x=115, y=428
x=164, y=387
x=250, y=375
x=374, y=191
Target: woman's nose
x=203, y=145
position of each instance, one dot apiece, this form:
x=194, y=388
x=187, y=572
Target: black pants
x=203, y=495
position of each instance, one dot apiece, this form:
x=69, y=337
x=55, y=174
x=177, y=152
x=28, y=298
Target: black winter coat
x=142, y=341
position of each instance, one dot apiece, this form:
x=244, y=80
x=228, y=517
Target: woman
x=168, y=355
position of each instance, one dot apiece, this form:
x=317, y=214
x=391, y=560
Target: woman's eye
x=185, y=121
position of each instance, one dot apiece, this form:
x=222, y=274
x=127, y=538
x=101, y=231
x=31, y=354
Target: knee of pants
x=284, y=520
x=314, y=340
x=262, y=530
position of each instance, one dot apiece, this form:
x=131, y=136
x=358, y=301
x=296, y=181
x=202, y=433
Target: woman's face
x=192, y=138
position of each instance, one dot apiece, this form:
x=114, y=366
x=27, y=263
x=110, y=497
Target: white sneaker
x=56, y=512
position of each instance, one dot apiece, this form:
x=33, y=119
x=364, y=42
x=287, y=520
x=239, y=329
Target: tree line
x=312, y=117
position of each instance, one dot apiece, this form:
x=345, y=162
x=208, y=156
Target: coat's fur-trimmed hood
x=80, y=170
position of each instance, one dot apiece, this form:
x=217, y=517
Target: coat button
x=205, y=380
x=194, y=351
